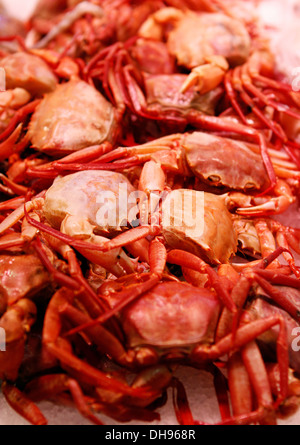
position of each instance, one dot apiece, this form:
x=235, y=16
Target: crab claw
x=272, y=206
x=206, y=77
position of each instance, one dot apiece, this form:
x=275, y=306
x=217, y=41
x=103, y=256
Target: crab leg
x=80, y=10
x=53, y=385
x=48, y=386
x=259, y=379
x=239, y=296
x=61, y=278
x=101, y=337
x=20, y=115
x=246, y=73
x=86, y=154
x=15, y=322
x=239, y=385
x=11, y=187
x=180, y=403
x=110, y=257
x=23, y=405
x=12, y=204
x=266, y=239
x=279, y=278
x=186, y=259
x=60, y=349
x=157, y=261
x=242, y=336
x=7, y=147
x=282, y=200
x=220, y=384
x=248, y=369
x=263, y=277
x=131, y=293
x=290, y=307
x=206, y=77
x=282, y=241
x=94, y=376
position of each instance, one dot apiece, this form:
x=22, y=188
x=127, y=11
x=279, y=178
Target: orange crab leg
x=12, y=187
x=20, y=115
x=23, y=405
x=49, y=385
x=186, y=259
x=243, y=284
x=7, y=147
x=101, y=337
x=12, y=204
x=239, y=385
x=70, y=167
x=244, y=334
x=275, y=127
x=58, y=276
x=276, y=277
x=94, y=376
x=157, y=257
x=265, y=262
x=56, y=346
x=220, y=384
x=16, y=241
x=180, y=402
x=86, y=154
x=246, y=81
x=290, y=307
x=157, y=262
x=128, y=295
x=259, y=379
x=232, y=96
x=239, y=296
x=78, y=244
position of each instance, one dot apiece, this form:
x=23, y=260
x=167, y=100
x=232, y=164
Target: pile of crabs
x=176, y=109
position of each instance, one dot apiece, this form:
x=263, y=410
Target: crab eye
x=214, y=179
x=250, y=186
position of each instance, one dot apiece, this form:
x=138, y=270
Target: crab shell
x=196, y=37
x=171, y=315
x=199, y=223
x=28, y=71
x=21, y=275
x=74, y=116
x=207, y=157
x=80, y=195
x=163, y=90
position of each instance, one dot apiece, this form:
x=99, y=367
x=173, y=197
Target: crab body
x=74, y=116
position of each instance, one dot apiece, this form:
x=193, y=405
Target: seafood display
x=149, y=158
